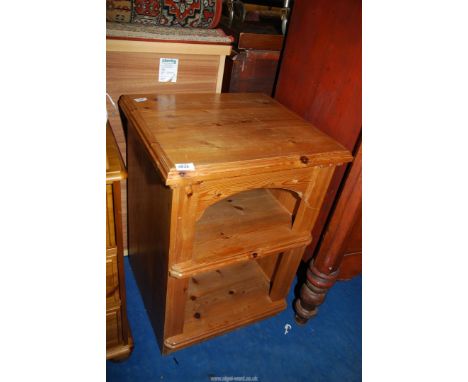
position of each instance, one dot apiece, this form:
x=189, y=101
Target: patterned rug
x=181, y=13
x=148, y=32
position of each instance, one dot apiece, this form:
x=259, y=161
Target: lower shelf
x=222, y=300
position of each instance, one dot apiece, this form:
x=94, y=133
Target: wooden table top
x=115, y=169
x=228, y=134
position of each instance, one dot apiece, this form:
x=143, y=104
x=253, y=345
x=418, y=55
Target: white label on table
x=168, y=69
x=185, y=167
x=143, y=99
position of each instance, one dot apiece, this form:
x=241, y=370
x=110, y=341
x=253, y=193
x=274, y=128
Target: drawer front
x=113, y=327
x=112, y=280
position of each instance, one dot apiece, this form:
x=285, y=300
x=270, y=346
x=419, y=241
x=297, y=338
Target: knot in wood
x=304, y=159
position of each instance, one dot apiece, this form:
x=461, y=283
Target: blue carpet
x=327, y=349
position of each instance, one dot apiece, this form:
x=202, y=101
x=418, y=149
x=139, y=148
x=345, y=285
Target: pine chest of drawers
x=223, y=190
x=118, y=337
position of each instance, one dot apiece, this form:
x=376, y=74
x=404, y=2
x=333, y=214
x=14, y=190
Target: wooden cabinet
x=119, y=340
x=223, y=190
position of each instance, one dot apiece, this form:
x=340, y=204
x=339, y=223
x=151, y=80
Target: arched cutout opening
x=247, y=222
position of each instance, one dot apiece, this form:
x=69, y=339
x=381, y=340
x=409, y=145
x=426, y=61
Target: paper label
x=168, y=69
x=140, y=99
x=185, y=167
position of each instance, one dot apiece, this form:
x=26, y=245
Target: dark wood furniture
x=339, y=254
x=320, y=79
x=253, y=63
x=223, y=191
x=118, y=338
x=251, y=70
x=349, y=225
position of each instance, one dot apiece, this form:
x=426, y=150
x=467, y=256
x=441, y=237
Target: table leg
x=313, y=293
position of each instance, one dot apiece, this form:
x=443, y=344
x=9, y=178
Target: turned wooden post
x=313, y=293
x=322, y=271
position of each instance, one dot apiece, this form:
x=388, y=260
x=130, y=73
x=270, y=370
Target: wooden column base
x=313, y=293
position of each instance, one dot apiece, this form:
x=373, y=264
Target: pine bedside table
x=223, y=191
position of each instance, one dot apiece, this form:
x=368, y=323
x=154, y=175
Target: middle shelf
x=250, y=224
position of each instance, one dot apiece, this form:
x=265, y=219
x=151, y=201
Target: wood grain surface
x=115, y=168
x=251, y=71
x=260, y=41
x=119, y=339
x=149, y=211
x=133, y=67
x=224, y=234
x=220, y=134
x=217, y=248
x=320, y=77
x=222, y=300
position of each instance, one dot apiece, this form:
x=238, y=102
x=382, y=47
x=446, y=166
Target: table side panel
x=149, y=218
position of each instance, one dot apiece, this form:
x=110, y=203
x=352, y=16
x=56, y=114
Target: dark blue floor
x=327, y=349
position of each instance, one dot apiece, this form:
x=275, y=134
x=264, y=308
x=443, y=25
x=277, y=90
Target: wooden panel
x=110, y=225
x=219, y=78
x=351, y=266
x=284, y=181
x=134, y=46
x=175, y=306
x=115, y=169
x=149, y=203
x=260, y=41
x=308, y=211
x=112, y=280
x=185, y=202
x=252, y=71
x=118, y=237
x=113, y=328
x=269, y=264
x=133, y=73
x=320, y=76
x=222, y=300
x=287, y=199
x=354, y=239
x=285, y=272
